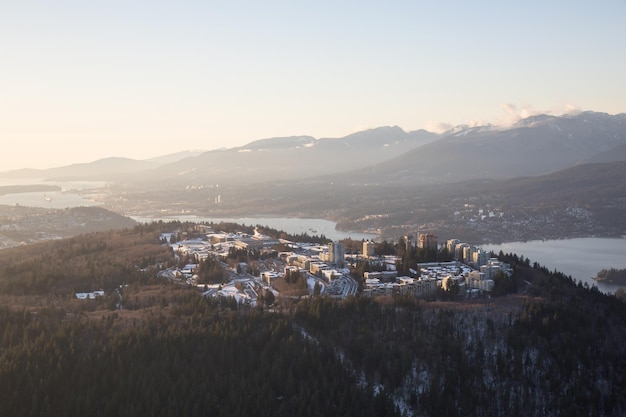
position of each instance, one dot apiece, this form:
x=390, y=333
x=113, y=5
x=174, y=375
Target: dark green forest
x=546, y=347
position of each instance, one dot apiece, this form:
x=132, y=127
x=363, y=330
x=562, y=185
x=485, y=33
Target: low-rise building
x=401, y=285
x=330, y=274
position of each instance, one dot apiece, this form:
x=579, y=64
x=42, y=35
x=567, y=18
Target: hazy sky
x=82, y=80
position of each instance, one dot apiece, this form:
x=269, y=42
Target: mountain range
x=386, y=155
x=534, y=146
x=295, y=157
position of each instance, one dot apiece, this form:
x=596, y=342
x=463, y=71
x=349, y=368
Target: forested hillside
x=553, y=348
x=516, y=356
x=102, y=260
x=201, y=363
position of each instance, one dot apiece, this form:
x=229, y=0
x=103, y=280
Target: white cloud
x=572, y=109
x=514, y=113
x=438, y=127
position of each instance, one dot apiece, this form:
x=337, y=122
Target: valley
x=545, y=177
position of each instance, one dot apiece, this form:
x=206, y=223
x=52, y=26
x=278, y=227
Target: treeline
x=294, y=237
x=612, y=275
x=268, y=231
x=102, y=260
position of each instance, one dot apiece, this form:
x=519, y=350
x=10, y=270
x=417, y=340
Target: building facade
x=427, y=241
x=336, y=253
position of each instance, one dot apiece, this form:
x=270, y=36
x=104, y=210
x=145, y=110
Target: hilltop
x=23, y=225
x=180, y=353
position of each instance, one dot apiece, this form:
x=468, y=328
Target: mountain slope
x=534, y=146
x=101, y=169
x=174, y=157
x=105, y=169
x=617, y=153
x=293, y=157
x=582, y=184
x=385, y=155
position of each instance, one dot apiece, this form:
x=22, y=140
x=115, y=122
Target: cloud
x=478, y=123
x=514, y=113
x=572, y=109
x=438, y=127
x=443, y=127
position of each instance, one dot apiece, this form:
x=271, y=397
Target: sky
x=84, y=80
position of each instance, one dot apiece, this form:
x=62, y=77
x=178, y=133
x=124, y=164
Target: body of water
x=51, y=199
x=580, y=258
x=292, y=225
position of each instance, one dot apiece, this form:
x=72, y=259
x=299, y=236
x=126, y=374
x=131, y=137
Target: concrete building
x=427, y=241
x=408, y=241
x=384, y=276
x=451, y=245
x=401, y=285
x=294, y=273
x=368, y=248
x=480, y=257
x=373, y=275
x=493, y=266
x=301, y=261
x=479, y=280
x=337, y=253
x=330, y=274
x=467, y=254
x=459, y=250
x=318, y=267
x=268, y=277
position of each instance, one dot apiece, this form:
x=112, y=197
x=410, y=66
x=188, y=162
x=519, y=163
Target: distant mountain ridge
x=101, y=169
x=294, y=157
x=534, y=146
x=261, y=160
x=112, y=168
x=291, y=142
x=174, y=157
